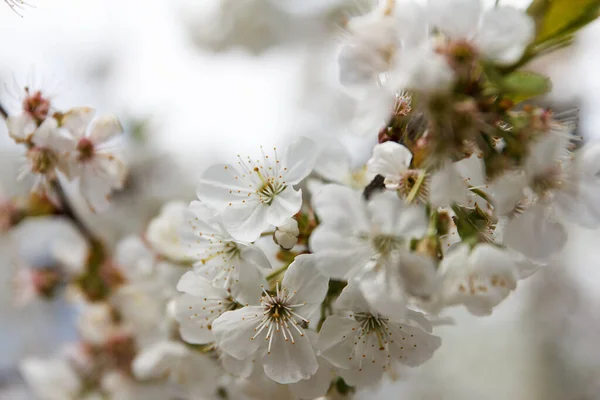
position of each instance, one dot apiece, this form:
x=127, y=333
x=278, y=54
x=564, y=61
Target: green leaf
x=523, y=85
x=562, y=17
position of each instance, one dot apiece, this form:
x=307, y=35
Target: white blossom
x=93, y=157
x=163, y=231
x=273, y=330
x=367, y=242
x=51, y=379
x=258, y=193
x=227, y=262
x=364, y=344
x=44, y=158
x=501, y=33
x=201, y=303
x=479, y=279
x=390, y=160
x=193, y=372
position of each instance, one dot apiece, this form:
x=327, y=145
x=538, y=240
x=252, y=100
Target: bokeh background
x=196, y=81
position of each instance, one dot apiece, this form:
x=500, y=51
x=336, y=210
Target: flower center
x=545, y=183
x=36, y=105
x=265, y=176
x=85, y=147
x=385, y=244
x=42, y=160
x=408, y=181
x=373, y=324
x=270, y=190
x=279, y=317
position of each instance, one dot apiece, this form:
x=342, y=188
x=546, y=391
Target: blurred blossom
x=413, y=200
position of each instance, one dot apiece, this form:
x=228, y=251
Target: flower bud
x=286, y=235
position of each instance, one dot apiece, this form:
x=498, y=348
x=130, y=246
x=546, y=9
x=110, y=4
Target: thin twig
x=69, y=212
x=3, y=112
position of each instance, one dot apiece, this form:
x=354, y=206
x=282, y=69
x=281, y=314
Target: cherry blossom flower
x=577, y=201
x=255, y=383
x=219, y=257
x=51, y=379
x=368, y=242
x=193, y=372
x=392, y=161
x=93, y=156
x=163, y=231
x=201, y=303
x=363, y=344
x=480, y=279
x=273, y=330
x=44, y=157
x=258, y=193
x=500, y=34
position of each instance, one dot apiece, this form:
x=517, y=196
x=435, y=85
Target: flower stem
x=268, y=233
x=69, y=212
x=415, y=189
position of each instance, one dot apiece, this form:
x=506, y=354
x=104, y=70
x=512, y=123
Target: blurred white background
x=142, y=60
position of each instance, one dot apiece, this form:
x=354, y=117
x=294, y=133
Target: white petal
x=195, y=320
x=384, y=292
x=105, y=128
x=412, y=346
x=508, y=191
x=536, y=234
x=339, y=255
x=95, y=190
x=352, y=299
x=290, y=362
x=317, y=385
x=246, y=222
x=370, y=361
x=196, y=310
x=546, y=151
x=154, y=361
x=77, y=120
x=284, y=206
x=505, y=33
x=221, y=185
x=238, y=368
x=343, y=207
x=390, y=160
x=196, y=285
x=247, y=290
x=580, y=202
x=309, y=285
x=336, y=339
x=21, y=126
x=456, y=18
x=424, y=70
x=234, y=331
x=447, y=187
x=391, y=216
x=299, y=160
x=360, y=64
x=479, y=280
x=43, y=135
x=334, y=162
x=52, y=379
x=418, y=274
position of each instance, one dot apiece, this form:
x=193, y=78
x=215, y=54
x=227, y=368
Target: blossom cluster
x=302, y=274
